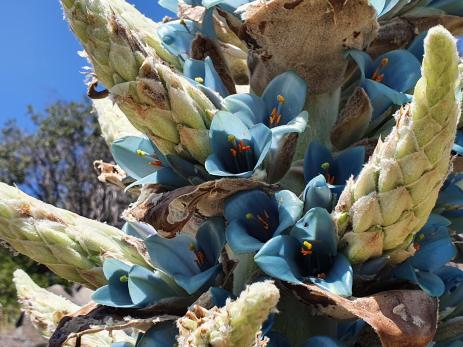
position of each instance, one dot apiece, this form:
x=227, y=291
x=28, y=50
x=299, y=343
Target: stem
x=243, y=271
x=296, y=321
x=323, y=112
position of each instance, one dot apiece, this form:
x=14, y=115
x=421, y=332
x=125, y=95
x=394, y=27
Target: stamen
x=249, y=216
x=200, y=80
x=416, y=246
x=321, y=276
x=141, y=153
x=275, y=116
x=264, y=221
x=377, y=75
x=306, y=248
x=124, y=278
x=281, y=99
x=200, y=257
x=329, y=178
x=155, y=163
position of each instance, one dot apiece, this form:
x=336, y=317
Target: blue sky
x=38, y=57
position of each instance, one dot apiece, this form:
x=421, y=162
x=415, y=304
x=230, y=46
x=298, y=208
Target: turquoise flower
x=142, y=161
x=226, y=5
x=451, y=301
x=387, y=78
x=308, y=253
x=254, y=217
x=280, y=108
x=337, y=169
x=434, y=249
x=204, y=74
x=133, y=286
x=177, y=36
x=192, y=261
x=236, y=149
x=317, y=193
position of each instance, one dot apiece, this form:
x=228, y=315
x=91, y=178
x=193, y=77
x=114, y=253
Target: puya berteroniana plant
x=319, y=201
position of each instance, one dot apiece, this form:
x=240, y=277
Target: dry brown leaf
x=309, y=37
x=401, y=318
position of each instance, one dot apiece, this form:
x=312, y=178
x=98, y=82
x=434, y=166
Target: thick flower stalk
x=128, y=59
x=236, y=324
x=72, y=246
x=46, y=309
x=395, y=192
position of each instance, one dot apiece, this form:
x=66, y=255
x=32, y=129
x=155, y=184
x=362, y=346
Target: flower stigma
x=377, y=75
x=275, y=117
x=306, y=248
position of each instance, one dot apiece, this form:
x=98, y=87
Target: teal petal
x=210, y=238
x=430, y=283
x=339, y=279
x=173, y=256
x=294, y=90
x=316, y=155
x=317, y=194
x=318, y=227
x=111, y=296
x=239, y=239
x=289, y=210
x=212, y=79
x=277, y=259
x=147, y=287
x=134, y=155
x=138, y=229
x=248, y=107
x=363, y=61
x=165, y=177
x=192, y=284
x=163, y=334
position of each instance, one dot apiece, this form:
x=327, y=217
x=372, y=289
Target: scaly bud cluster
x=128, y=58
x=113, y=122
x=46, y=309
x=236, y=324
x=72, y=246
x=394, y=194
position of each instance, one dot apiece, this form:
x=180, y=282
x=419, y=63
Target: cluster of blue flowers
x=289, y=237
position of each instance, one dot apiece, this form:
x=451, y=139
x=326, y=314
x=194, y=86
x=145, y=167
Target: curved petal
x=348, y=163
x=339, y=279
x=171, y=5
x=417, y=46
x=112, y=296
x=378, y=5
x=289, y=209
x=434, y=255
x=160, y=335
x=318, y=227
x=406, y=271
x=248, y=107
x=165, y=176
x=210, y=238
x=138, y=229
x=321, y=341
x=294, y=90
x=402, y=70
x=382, y=97
x=317, y=194
x=316, y=155
x=193, y=68
x=147, y=287
x=363, y=61
x=122, y=344
x=430, y=283
x=277, y=259
x=177, y=36
x=173, y=256
x=295, y=125
x=215, y=166
x=261, y=141
x=135, y=156
x=193, y=283
x=239, y=239
x=451, y=7
x=113, y=269
x=212, y=79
